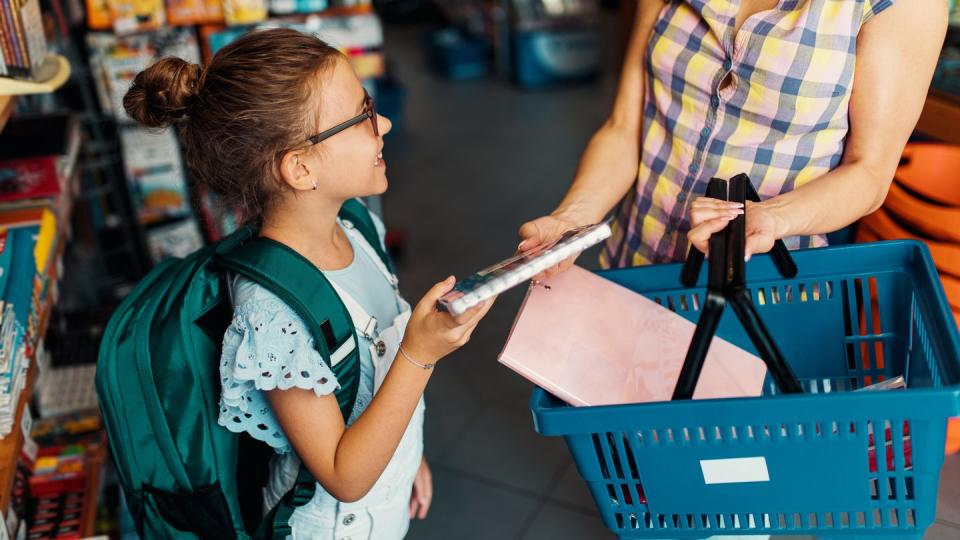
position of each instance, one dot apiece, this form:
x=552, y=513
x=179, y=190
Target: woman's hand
x=544, y=231
x=422, y=493
x=709, y=216
x=431, y=335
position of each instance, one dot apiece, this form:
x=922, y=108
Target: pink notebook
x=590, y=341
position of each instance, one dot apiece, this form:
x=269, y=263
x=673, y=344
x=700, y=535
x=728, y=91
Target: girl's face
x=350, y=163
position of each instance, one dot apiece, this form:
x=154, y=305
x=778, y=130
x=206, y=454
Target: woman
x=813, y=99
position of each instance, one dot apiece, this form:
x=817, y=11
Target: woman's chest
x=796, y=60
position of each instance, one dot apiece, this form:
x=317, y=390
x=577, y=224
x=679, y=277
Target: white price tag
x=735, y=470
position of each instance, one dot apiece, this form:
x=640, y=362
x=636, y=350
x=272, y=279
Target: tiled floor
x=474, y=161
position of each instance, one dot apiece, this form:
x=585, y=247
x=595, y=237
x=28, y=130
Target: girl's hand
x=431, y=335
x=422, y=493
x=709, y=216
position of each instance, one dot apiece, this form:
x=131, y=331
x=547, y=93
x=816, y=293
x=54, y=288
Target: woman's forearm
x=608, y=167
x=830, y=202
x=606, y=172
x=896, y=56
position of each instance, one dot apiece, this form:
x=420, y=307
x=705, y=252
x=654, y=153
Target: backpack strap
x=357, y=214
x=276, y=524
x=303, y=287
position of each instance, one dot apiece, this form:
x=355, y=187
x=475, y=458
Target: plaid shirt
x=771, y=102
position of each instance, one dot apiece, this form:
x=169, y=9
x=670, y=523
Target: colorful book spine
x=244, y=11
x=98, y=15
x=10, y=36
x=21, y=39
x=35, y=42
x=3, y=48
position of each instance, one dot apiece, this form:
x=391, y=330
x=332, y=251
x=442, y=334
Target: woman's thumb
x=531, y=235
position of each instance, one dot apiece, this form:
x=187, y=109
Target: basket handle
x=727, y=284
x=780, y=255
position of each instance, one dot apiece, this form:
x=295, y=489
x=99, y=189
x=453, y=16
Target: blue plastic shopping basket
x=831, y=462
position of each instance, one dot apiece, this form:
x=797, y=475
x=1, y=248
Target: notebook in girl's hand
x=590, y=341
x=492, y=281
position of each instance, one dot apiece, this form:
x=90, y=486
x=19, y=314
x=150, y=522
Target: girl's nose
x=384, y=125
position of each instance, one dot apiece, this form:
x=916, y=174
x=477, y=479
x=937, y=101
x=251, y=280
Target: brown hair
x=242, y=113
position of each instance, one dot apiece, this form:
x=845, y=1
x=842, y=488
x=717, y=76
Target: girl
x=280, y=124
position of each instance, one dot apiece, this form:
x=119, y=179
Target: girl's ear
x=295, y=172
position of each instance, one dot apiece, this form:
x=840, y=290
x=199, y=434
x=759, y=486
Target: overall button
x=381, y=348
x=348, y=520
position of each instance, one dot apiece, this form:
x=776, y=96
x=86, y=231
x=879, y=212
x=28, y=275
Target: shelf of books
x=51, y=74
x=38, y=172
x=12, y=444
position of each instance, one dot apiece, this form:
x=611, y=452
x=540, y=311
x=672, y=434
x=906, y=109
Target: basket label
x=734, y=471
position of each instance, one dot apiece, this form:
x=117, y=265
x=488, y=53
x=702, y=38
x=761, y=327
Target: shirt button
x=705, y=132
x=715, y=101
x=694, y=167
x=347, y=521
x=727, y=64
x=682, y=197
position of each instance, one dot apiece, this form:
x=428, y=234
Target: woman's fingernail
x=746, y=258
x=520, y=245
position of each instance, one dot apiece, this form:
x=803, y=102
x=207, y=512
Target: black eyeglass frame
x=368, y=112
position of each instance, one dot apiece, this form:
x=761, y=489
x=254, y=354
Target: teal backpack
x=158, y=380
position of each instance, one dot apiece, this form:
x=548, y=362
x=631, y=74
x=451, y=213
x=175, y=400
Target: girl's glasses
x=368, y=112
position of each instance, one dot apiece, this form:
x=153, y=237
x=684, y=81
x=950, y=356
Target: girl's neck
x=312, y=231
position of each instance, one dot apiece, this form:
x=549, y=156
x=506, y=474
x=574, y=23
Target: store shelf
x=346, y=11
x=95, y=459
x=11, y=445
x=941, y=118
x=6, y=109
x=54, y=72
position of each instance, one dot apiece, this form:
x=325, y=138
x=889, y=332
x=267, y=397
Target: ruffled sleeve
x=267, y=347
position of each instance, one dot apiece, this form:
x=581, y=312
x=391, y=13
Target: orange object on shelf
x=929, y=218
x=953, y=435
x=931, y=170
x=946, y=255
x=951, y=286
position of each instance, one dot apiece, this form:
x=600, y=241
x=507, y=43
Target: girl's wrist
x=424, y=365
x=415, y=355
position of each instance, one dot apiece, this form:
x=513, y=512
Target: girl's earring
x=314, y=185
